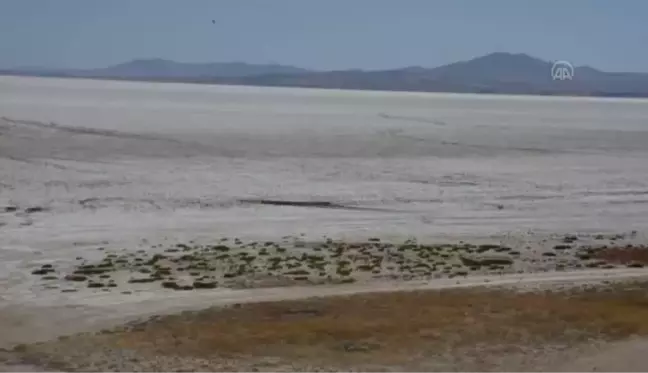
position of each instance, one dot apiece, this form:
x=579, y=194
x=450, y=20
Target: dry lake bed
x=123, y=200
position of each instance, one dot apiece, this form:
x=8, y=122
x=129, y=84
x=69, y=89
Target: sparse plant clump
x=342, y=271
x=221, y=248
x=408, y=260
x=297, y=272
x=205, y=284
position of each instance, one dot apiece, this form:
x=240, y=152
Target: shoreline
x=105, y=287
x=112, y=284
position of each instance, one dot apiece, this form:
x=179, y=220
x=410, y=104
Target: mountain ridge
x=498, y=72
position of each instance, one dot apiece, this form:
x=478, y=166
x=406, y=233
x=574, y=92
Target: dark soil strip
x=316, y=204
x=624, y=255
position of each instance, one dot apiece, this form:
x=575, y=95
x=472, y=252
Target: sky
x=611, y=35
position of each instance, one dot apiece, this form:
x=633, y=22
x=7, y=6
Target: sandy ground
x=131, y=166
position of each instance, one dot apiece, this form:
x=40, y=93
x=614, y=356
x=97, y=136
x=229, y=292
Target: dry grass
x=396, y=327
x=624, y=255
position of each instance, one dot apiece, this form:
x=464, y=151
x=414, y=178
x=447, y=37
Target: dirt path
x=40, y=320
x=43, y=318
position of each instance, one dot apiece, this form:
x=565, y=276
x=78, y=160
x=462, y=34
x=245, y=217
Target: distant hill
x=170, y=69
x=164, y=69
x=499, y=72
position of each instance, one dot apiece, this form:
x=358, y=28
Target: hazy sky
x=323, y=34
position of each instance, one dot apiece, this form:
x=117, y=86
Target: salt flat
x=443, y=163
x=124, y=164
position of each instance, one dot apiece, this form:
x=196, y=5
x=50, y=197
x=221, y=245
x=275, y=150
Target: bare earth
x=514, y=327
x=424, y=230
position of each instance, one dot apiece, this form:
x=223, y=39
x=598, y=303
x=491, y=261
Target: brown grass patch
x=623, y=255
x=395, y=327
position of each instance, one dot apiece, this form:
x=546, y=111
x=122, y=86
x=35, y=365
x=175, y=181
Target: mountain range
x=502, y=73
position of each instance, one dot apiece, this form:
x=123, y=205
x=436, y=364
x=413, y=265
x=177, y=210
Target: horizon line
x=312, y=70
